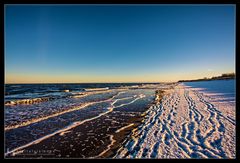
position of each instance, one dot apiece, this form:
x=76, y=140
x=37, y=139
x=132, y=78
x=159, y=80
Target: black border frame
x=237, y=27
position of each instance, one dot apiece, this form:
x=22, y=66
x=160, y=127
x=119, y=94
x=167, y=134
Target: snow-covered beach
x=186, y=124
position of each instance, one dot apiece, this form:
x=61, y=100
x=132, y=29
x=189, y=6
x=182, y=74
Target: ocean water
x=219, y=88
x=23, y=91
x=33, y=111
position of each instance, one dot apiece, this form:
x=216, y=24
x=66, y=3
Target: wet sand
x=93, y=139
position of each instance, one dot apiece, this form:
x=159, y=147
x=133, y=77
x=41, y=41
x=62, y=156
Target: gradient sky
x=117, y=43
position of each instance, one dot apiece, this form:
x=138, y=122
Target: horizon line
x=174, y=81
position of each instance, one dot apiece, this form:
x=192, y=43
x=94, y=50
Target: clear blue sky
x=118, y=43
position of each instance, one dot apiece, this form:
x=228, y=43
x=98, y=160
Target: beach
x=148, y=121
x=187, y=124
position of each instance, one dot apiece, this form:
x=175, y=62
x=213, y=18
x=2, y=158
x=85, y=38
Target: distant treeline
x=222, y=77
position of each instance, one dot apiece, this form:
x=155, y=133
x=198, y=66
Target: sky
x=117, y=43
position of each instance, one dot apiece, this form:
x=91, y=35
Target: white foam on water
x=96, y=89
x=123, y=128
x=27, y=101
x=73, y=125
x=35, y=120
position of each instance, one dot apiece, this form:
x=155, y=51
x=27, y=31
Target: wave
x=71, y=126
x=15, y=86
x=83, y=94
x=96, y=89
x=75, y=108
x=28, y=101
x=60, y=132
x=35, y=120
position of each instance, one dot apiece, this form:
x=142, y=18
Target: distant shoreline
x=222, y=77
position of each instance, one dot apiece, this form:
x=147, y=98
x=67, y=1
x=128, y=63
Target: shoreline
x=139, y=135
x=105, y=125
x=208, y=79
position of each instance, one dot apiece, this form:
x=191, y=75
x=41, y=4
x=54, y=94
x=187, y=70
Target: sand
x=186, y=124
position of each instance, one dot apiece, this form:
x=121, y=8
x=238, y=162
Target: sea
x=35, y=112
